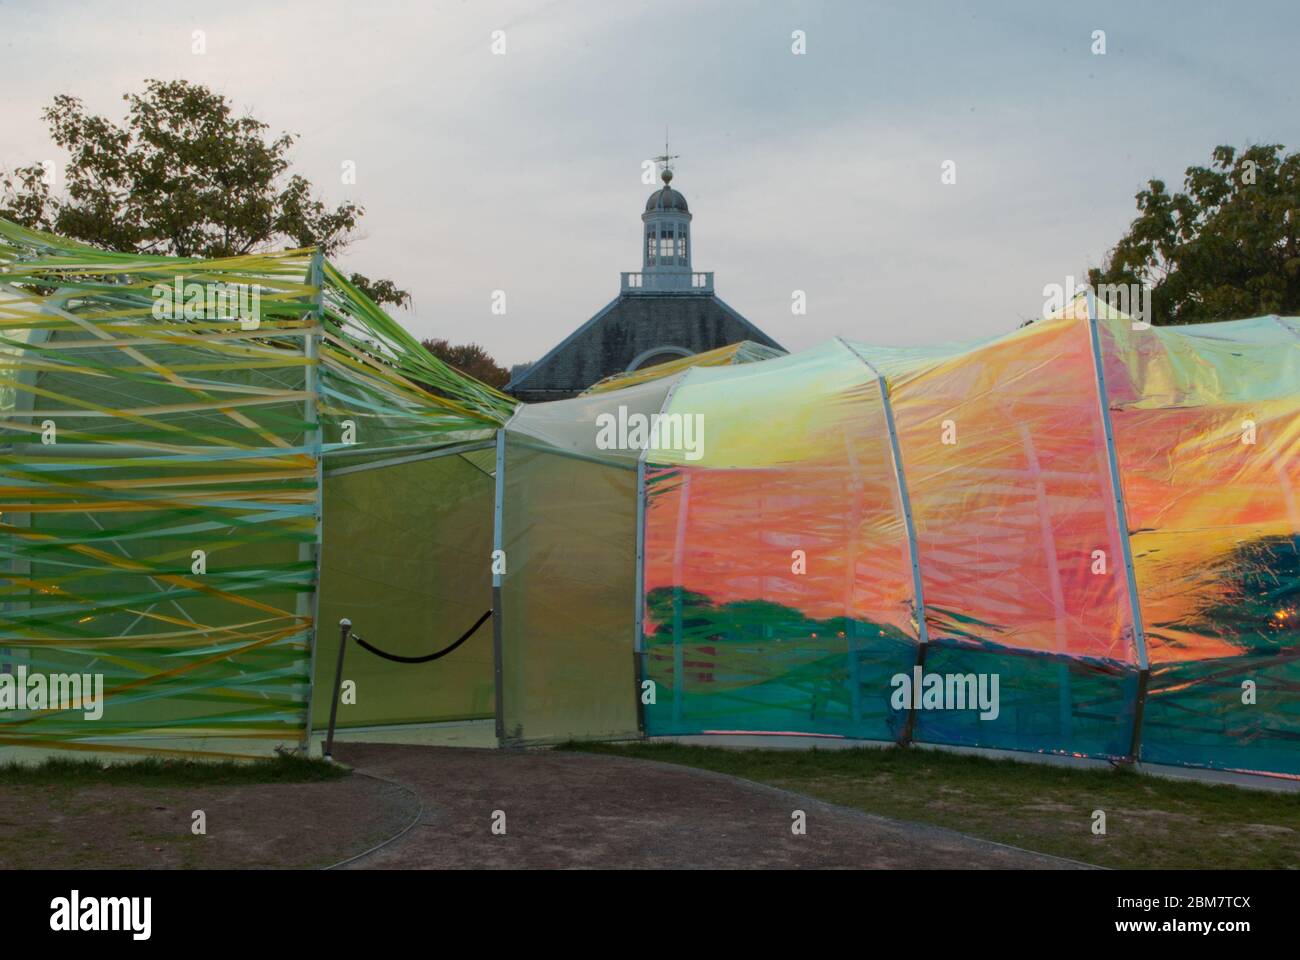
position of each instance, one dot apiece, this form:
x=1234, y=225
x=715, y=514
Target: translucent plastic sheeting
x=567, y=597
x=1005, y=459
x=132, y=556
x=1207, y=426
x=160, y=494
x=778, y=584
x=407, y=561
x=379, y=388
x=595, y=426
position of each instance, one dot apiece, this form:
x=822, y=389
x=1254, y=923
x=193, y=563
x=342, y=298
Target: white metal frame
x=1121, y=519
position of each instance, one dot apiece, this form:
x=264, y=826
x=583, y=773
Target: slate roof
x=627, y=327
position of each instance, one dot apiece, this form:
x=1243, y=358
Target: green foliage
x=470, y=359
x=382, y=291
x=181, y=176
x=1226, y=247
x=26, y=196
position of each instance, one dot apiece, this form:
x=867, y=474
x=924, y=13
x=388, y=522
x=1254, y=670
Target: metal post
x=345, y=627
x=309, y=605
x=638, y=646
x=498, y=538
x=1121, y=518
x=905, y=501
x=638, y=665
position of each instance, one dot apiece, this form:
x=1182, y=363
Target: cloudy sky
x=817, y=172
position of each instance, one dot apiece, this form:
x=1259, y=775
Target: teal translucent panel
x=1045, y=703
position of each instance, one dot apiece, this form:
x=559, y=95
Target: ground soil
x=561, y=810
x=587, y=810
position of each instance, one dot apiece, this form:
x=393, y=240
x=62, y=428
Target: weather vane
x=666, y=158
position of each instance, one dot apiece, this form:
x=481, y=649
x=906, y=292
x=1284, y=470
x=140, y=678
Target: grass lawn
x=1150, y=822
x=282, y=812
x=152, y=772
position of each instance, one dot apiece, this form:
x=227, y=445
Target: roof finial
x=666, y=158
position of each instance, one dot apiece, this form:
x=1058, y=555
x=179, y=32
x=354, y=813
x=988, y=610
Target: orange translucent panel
x=825, y=543
x=1004, y=453
x=825, y=537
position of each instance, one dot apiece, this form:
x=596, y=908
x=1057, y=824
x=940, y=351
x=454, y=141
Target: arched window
x=657, y=355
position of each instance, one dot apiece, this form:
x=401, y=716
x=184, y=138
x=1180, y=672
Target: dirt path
x=586, y=810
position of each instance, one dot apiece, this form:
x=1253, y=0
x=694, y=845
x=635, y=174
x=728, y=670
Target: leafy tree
x=1226, y=247
x=381, y=291
x=181, y=176
x=469, y=358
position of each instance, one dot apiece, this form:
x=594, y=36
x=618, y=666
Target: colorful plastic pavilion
x=1102, y=515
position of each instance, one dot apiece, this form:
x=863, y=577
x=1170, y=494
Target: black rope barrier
x=429, y=657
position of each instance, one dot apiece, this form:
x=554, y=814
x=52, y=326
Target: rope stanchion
x=428, y=657
x=345, y=628
x=345, y=625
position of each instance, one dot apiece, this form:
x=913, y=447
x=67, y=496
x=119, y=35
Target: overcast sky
x=817, y=172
